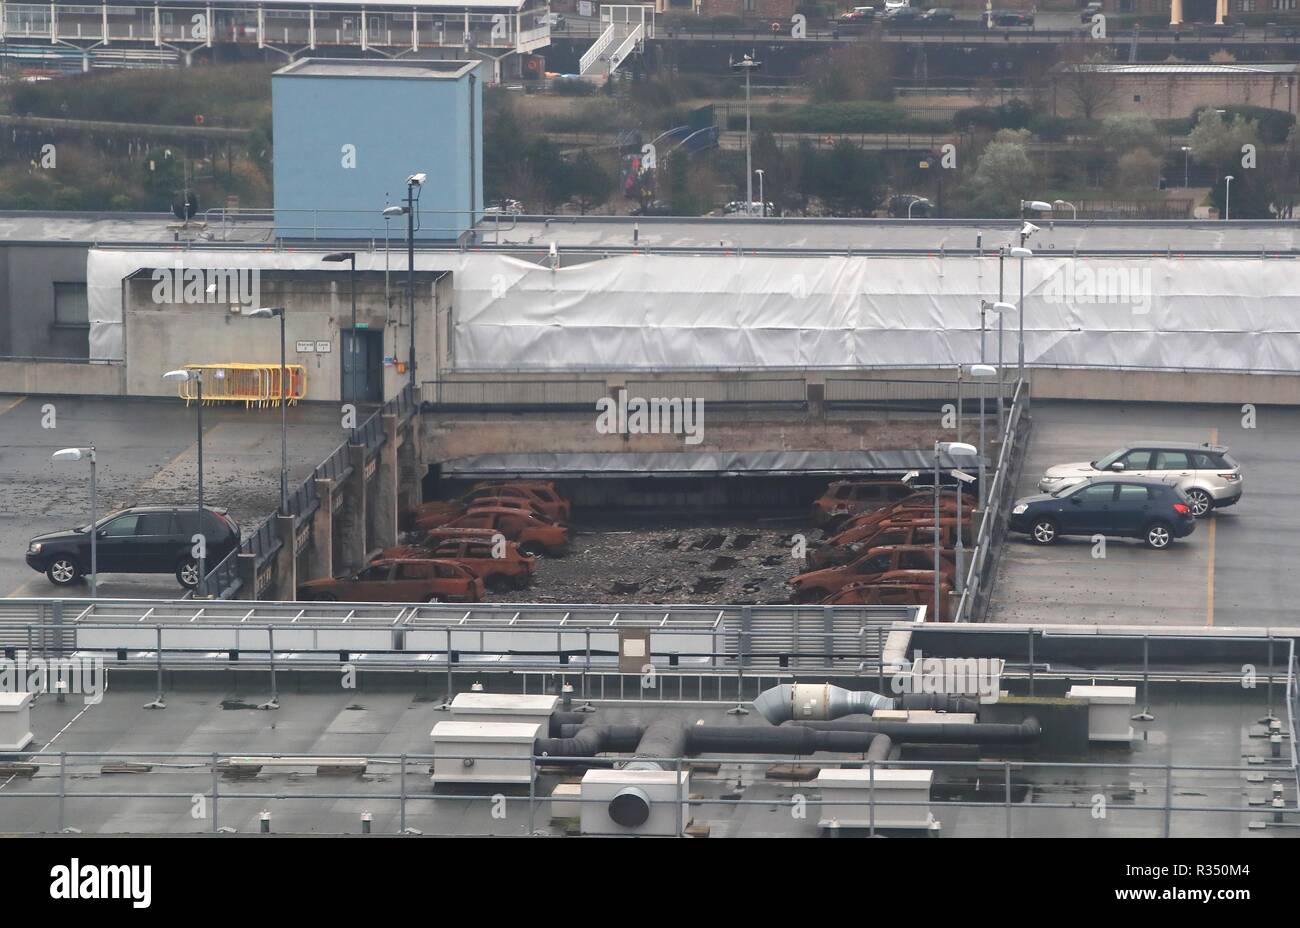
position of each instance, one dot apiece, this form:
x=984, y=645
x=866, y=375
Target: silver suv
x=1209, y=476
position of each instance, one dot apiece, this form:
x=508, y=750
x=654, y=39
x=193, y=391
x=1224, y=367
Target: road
x=148, y=454
x=1236, y=569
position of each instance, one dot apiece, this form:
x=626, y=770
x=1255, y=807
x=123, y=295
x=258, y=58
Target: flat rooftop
x=531, y=235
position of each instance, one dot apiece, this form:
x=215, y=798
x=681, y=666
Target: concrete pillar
x=246, y=570
x=1220, y=12
x=352, y=515
x=284, y=588
x=1176, y=12
x=320, y=548
x=410, y=474
x=383, y=507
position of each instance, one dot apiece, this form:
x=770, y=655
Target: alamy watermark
x=63, y=676
x=1086, y=283
x=655, y=416
x=952, y=676
x=220, y=286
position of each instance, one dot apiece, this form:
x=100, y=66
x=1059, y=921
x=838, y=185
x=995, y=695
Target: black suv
x=1128, y=507
x=139, y=540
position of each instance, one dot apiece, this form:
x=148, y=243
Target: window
x=915, y=560
x=1204, y=460
x=1097, y=493
x=1171, y=460
x=414, y=571
x=1137, y=460
x=1132, y=493
x=121, y=526
x=70, y=306
x=874, y=565
x=154, y=523
x=448, y=571
x=378, y=572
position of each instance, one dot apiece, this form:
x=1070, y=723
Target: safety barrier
x=250, y=384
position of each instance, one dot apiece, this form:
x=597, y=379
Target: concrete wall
x=27, y=277
x=349, y=133
x=161, y=336
x=46, y=378
x=1173, y=96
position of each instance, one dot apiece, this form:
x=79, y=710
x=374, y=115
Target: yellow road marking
x=4, y=408
x=1209, y=563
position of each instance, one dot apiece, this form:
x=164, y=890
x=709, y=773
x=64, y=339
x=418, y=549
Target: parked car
x=1209, y=475
x=432, y=515
x=533, y=533
x=918, y=532
x=1089, y=11
x=398, y=580
x=850, y=497
x=139, y=540
x=858, y=14
x=900, y=588
x=918, y=505
x=1155, y=511
x=545, y=497
x=893, y=5
x=817, y=585
x=902, y=15
x=939, y=15
x=511, y=570
x=1011, y=18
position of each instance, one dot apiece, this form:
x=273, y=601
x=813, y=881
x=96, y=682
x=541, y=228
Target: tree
x=1138, y=170
x=847, y=178
x=1219, y=143
x=590, y=184
x=1002, y=175
x=851, y=71
x=1125, y=132
x=1089, y=91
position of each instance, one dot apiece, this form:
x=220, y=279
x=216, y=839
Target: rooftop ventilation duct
x=816, y=702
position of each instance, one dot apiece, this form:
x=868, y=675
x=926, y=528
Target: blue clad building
x=348, y=134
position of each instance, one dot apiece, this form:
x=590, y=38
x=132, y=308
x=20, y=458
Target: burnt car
x=900, y=588
x=399, y=580
x=499, y=563
x=845, y=498
x=817, y=585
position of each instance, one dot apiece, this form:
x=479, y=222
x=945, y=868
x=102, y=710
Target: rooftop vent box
x=483, y=752
x=1109, y=710
x=635, y=802
x=505, y=707
x=847, y=795
x=15, y=721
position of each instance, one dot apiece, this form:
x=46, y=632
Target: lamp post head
x=392, y=212
x=954, y=447
x=982, y=370
x=1021, y=253
x=181, y=375
x=1041, y=205
x=341, y=256
x=74, y=454
x=1002, y=307
x=262, y=312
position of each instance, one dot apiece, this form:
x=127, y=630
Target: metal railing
x=222, y=581
x=996, y=500
x=513, y=394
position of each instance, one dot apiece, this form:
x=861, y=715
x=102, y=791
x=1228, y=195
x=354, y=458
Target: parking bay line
x=1209, y=563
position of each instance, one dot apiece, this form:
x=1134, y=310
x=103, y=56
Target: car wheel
x=63, y=571
x=498, y=583
x=1043, y=532
x=809, y=595
x=1201, y=502
x=1159, y=535
x=187, y=573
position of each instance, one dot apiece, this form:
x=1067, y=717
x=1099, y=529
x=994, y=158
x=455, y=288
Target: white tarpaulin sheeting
x=663, y=312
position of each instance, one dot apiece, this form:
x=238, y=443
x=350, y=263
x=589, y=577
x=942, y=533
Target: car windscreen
x=1103, y=463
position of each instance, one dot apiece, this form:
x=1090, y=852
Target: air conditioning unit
x=15, y=721
x=1110, y=709
x=505, y=707
x=847, y=797
x=495, y=753
x=635, y=802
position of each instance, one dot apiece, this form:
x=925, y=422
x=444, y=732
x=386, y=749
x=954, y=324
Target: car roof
x=1120, y=478
x=1180, y=445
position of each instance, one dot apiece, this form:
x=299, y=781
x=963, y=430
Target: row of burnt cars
x=878, y=545
x=488, y=539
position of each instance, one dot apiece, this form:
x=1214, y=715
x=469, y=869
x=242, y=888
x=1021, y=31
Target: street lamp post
x=1227, y=198
x=1022, y=254
x=350, y=378
x=982, y=372
x=1000, y=309
x=914, y=203
x=950, y=448
x=1074, y=212
x=1186, y=177
x=267, y=312
x=412, y=183
x=77, y=454
x=196, y=375
x=762, y=200
x=748, y=64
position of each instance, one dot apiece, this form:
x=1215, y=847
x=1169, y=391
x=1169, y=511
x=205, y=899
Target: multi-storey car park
x=1089, y=688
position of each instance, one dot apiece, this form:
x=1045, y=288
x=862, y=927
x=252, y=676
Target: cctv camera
x=417, y=180
x=1029, y=229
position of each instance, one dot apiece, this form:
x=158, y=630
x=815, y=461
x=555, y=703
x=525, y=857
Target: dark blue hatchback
x=1126, y=507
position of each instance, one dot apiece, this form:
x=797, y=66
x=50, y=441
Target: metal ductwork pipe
x=786, y=739
x=815, y=702
x=561, y=720
x=662, y=739
x=590, y=741
x=934, y=732
x=938, y=702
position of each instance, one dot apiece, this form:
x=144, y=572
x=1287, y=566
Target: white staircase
x=626, y=28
